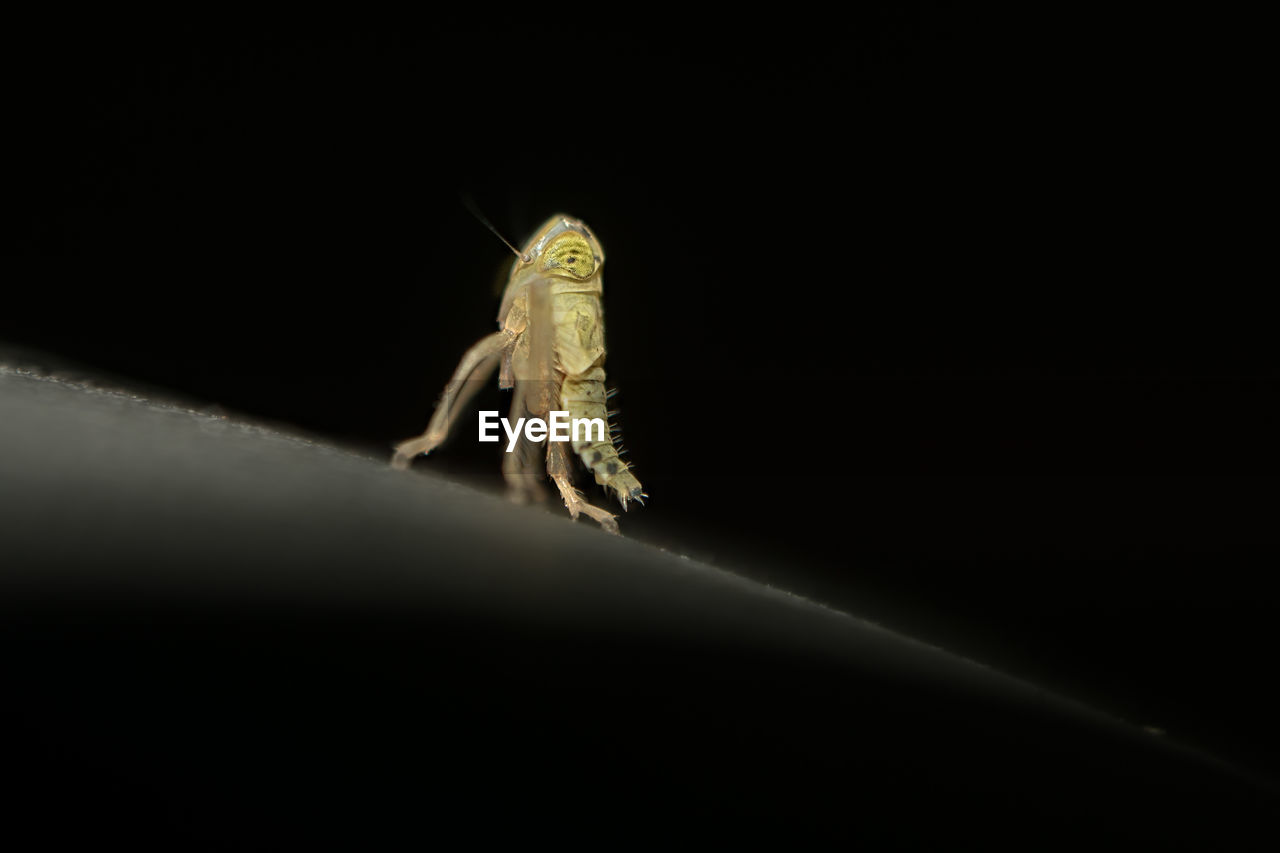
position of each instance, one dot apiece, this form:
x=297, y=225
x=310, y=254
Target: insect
x=550, y=344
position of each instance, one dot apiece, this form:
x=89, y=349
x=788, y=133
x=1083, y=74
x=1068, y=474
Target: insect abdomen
x=584, y=397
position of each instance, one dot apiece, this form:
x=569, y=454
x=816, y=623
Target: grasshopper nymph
x=551, y=346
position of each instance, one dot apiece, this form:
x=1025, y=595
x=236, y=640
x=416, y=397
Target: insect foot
x=575, y=503
x=407, y=450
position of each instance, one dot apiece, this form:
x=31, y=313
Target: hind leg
x=477, y=363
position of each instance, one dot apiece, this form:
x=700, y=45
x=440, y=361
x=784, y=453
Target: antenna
x=470, y=205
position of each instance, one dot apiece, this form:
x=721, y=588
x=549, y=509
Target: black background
x=944, y=319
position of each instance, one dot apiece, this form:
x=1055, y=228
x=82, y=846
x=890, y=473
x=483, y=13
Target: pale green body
x=553, y=306
x=551, y=346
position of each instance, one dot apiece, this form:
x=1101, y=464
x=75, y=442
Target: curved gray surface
x=220, y=634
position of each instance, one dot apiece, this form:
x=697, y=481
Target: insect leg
x=559, y=467
x=522, y=472
x=477, y=363
x=519, y=467
x=533, y=372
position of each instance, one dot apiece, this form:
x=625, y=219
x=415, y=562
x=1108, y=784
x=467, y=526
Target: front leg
x=522, y=469
x=476, y=364
x=560, y=469
x=520, y=466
